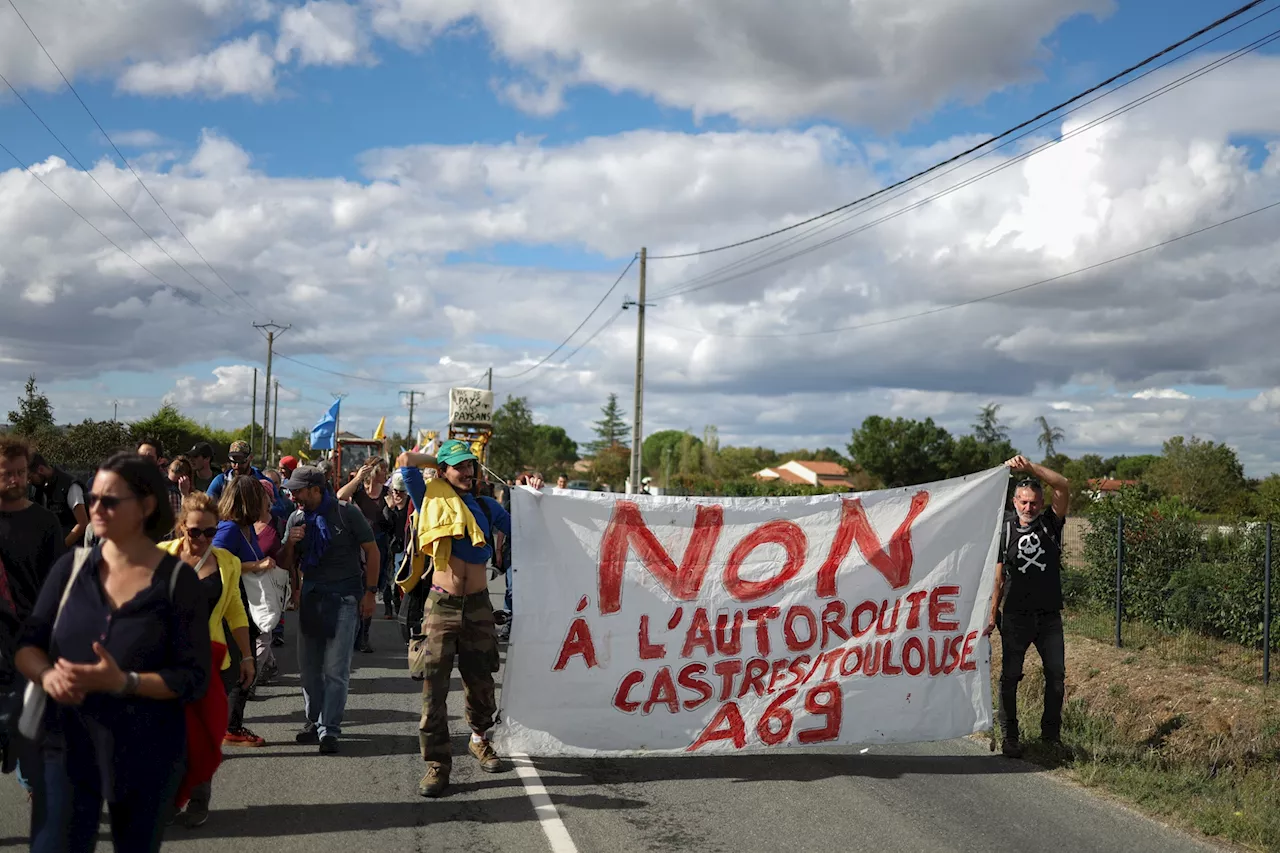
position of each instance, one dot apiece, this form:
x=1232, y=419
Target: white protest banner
x=711, y=625
x=470, y=406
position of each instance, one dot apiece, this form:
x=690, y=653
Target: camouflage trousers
x=457, y=627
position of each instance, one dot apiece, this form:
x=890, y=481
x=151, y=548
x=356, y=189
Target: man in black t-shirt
x=31, y=537
x=1027, y=603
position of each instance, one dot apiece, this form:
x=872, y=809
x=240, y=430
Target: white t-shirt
x=75, y=496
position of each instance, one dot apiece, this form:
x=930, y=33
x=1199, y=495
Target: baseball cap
x=203, y=449
x=238, y=447
x=454, y=452
x=304, y=477
x=288, y=463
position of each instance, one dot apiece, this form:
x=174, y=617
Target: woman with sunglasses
x=119, y=649
x=219, y=573
x=244, y=502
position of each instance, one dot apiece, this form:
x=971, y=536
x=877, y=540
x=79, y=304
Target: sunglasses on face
x=238, y=460
x=201, y=532
x=109, y=502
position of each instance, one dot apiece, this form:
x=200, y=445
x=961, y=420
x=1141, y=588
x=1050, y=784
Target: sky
x=424, y=190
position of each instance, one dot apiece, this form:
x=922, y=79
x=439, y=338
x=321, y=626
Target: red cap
x=288, y=463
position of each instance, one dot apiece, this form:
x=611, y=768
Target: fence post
x=1119, y=578
x=1266, y=609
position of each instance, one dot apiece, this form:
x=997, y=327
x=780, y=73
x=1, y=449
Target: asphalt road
x=950, y=796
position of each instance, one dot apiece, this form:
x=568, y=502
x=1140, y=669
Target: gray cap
x=304, y=477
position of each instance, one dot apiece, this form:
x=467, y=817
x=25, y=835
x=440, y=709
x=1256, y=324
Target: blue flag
x=322, y=433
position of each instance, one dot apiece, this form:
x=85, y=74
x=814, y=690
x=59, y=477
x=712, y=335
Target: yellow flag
x=378, y=433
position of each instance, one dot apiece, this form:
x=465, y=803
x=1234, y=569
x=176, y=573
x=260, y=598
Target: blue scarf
x=317, y=541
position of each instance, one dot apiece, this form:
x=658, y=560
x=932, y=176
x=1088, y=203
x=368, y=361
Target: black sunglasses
x=109, y=502
x=198, y=532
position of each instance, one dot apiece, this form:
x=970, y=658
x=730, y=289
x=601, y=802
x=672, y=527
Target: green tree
x=988, y=429
x=512, y=445
x=611, y=466
x=657, y=447
x=34, y=414
x=1205, y=474
x=1267, y=498
x=175, y=431
x=81, y=448
x=299, y=441
x=611, y=430
x=554, y=452
x=1049, y=436
x=969, y=455
x=710, y=448
x=902, y=452
x=735, y=463
x=1131, y=467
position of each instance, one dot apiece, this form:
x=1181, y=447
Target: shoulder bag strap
x=78, y=563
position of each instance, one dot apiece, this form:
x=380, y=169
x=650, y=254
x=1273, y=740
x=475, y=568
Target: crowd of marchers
x=139, y=613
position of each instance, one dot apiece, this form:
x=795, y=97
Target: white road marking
x=557, y=835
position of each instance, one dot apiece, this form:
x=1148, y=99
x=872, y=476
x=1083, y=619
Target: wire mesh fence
x=1153, y=578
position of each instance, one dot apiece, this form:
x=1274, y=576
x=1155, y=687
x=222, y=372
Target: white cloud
x=322, y=32
x=1161, y=394
x=1266, y=401
x=1187, y=315
x=241, y=67
x=864, y=61
x=92, y=37
x=232, y=384
x=135, y=138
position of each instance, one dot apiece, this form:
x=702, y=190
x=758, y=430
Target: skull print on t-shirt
x=1032, y=558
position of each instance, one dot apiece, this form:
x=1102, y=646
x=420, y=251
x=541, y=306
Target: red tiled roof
x=1103, y=484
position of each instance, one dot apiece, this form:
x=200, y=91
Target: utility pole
x=115, y=411
x=272, y=329
x=412, y=396
x=275, y=422
x=489, y=378
x=253, y=418
x=637, y=434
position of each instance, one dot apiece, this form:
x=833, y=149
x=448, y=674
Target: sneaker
x=483, y=751
x=309, y=734
x=1052, y=738
x=242, y=737
x=504, y=633
x=435, y=781
x=365, y=648
x=195, y=815
x=328, y=745
x=1011, y=749
x=277, y=642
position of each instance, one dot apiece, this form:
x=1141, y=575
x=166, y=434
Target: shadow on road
x=774, y=767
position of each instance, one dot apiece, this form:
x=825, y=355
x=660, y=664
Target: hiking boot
x=435, y=781
x=195, y=815
x=308, y=735
x=1010, y=748
x=328, y=745
x=483, y=751
x=242, y=737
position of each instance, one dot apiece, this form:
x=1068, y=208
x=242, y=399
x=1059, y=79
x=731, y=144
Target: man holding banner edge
x=1026, y=604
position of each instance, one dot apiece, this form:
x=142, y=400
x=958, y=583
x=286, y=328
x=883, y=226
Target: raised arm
x=1061, y=485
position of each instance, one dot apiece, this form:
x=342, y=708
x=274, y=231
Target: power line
x=607, y=323
x=746, y=260
x=114, y=201
x=590, y=314
x=363, y=378
x=990, y=296
x=101, y=233
x=1152, y=58
x=708, y=280
x=126, y=162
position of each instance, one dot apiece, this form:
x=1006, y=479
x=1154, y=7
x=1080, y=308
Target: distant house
x=1102, y=487
x=795, y=472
